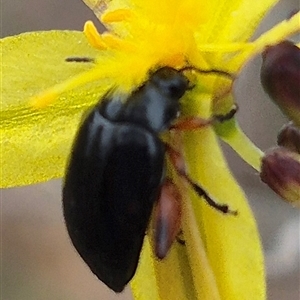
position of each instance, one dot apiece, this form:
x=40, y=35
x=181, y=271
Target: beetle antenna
x=209, y=71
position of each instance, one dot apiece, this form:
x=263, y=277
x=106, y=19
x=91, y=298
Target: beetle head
x=170, y=82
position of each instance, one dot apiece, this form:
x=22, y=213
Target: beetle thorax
x=154, y=105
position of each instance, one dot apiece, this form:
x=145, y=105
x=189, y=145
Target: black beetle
x=116, y=173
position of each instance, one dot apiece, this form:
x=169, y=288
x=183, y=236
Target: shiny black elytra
x=115, y=173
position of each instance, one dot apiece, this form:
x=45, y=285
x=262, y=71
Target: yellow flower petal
x=275, y=35
x=36, y=143
x=203, y=276
x=231, y=133
x=231, y=242
x=143, y=284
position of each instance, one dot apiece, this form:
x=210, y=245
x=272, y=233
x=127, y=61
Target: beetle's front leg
x=191, y=123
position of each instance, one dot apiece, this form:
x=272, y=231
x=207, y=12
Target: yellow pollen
x=175, y=61
x=116, y=43
x=93, y=36
x=118, y=15
x=42, y=100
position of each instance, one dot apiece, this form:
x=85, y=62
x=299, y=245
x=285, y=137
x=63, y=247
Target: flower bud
x=289, y=137
x=280, y=77
x=280, y=170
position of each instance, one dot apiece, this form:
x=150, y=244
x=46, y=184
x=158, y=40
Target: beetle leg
x=167, y=218
x=191, y=123
x=179, y=164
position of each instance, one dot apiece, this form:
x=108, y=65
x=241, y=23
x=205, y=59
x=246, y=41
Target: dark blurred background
x=37, y=259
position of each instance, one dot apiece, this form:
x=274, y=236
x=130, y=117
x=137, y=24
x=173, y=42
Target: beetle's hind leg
x=167, y=218
x=179, y=164
x=224, y=208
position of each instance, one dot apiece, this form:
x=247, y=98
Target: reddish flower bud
x=280, y=77
x=289, y=137
x=280, y=170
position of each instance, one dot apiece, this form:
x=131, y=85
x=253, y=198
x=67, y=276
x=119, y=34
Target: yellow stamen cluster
x=141, y=38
